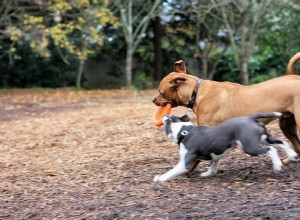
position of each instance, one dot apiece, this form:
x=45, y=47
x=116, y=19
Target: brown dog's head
x=176, y=88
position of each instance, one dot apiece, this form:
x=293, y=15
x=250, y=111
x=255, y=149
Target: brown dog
x=214, y=102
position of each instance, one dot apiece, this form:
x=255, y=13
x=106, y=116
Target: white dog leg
x=277, y=164
x=212, y=169
x=291, y=154
x=176, y=171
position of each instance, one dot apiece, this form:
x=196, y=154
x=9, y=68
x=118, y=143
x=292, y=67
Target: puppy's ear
x=167, y=128
x=179, y=67
x=178, y=80
x=185, y=118
x=166, y=118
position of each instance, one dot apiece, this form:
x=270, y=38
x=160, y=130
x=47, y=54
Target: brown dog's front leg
x=194, y=166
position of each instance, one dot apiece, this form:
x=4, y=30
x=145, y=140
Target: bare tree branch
x=134, y=28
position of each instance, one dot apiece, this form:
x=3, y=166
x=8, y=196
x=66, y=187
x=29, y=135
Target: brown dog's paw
x=286, y=161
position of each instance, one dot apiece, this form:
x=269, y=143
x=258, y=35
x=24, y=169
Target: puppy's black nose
x=153, y=99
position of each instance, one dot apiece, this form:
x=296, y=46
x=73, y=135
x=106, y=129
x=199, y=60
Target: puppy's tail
x=291, y=70
x=266, y=115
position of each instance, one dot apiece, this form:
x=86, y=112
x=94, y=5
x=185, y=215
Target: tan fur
x=219, y=101
x=291, y=65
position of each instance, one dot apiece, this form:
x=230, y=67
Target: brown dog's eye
x=161, y=94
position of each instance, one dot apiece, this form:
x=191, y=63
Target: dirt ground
x=93, y=155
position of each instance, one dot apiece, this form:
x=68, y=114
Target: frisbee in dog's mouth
x=160, y=112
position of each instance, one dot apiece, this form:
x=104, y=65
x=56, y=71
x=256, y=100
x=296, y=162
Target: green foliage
x=227, y=69
x=103, y=81
x=262, y=66
x=72, y=25
x=80, y=30
x=269, y=61
x=34, y=71
x=263, y=77
x=142, y=81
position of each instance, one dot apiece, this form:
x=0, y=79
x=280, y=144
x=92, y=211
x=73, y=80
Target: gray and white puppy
x=212, y=143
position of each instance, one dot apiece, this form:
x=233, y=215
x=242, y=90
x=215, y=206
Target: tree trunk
x=128, y=68
x=204, y=66
x=157, y=75
x=244, y=73
x=79, y=74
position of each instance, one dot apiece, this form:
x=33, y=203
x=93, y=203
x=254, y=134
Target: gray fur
x=212, y=143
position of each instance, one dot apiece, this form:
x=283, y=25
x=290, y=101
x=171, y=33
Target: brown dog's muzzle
x=154, y=99
x=159, y=100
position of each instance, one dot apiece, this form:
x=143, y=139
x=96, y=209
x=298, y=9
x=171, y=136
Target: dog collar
x=194, y=94
x=184, y=131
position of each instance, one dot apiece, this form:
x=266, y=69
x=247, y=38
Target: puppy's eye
x=161, y=94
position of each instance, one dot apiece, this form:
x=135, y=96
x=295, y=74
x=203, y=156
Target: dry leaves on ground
x=93, y=154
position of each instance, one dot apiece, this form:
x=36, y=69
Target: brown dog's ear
x=177, y=80
x=179, y=66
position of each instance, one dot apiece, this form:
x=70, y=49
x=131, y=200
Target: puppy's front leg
x=179, y=169
x=292, y=155
x=277, y=164
x=176, y=171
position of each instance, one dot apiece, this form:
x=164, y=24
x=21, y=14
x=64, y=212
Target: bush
x=227, y=70
x=142, y=81
x=263, y=77
x=261, y=67
x=34, y=71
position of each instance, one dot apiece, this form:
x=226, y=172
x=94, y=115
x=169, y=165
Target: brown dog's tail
x=291, y=70
x=265, y=115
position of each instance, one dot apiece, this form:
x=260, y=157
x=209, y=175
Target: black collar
x=194, y=94
x=185, y=129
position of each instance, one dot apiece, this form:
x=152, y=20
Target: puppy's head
x=176, y=88
x=173, y=124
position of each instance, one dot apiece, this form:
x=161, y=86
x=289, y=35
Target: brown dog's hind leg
x=288, y=126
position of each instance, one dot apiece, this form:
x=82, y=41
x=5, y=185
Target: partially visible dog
x=212, y=143
x=214, y=102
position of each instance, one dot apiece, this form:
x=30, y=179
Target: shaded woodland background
x=133, y=43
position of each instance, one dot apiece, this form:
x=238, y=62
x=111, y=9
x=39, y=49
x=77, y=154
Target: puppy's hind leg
x=212, y=169
x=256, y=150
x=269, y=139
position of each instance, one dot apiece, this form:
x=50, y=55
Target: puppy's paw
x=156, y=178
x=277, y=168
x=294, y=157
x=206, y=174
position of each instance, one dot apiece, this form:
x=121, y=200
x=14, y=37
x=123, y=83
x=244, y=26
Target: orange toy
x=160, y=112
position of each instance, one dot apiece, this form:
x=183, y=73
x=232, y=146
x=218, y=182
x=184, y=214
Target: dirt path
x=93, y=155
